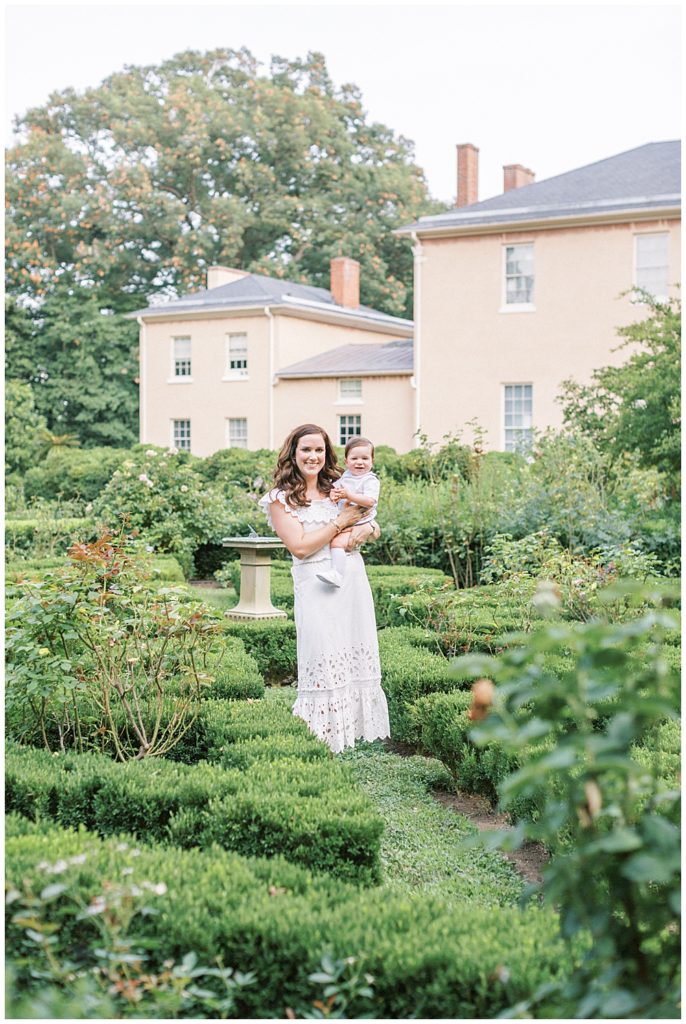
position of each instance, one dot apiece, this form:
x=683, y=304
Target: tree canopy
x=81, y=365
x=636, y=407
x=136, y=187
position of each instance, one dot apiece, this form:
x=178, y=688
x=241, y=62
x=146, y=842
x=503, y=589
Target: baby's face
x=359, y=460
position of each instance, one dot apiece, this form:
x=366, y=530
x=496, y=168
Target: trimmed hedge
x=429, y=957
x=307, y=811
x=164, y=568
x=442, y=729
x=271, y=643
x=236, y=735
x=387, y=582
x=409, y=671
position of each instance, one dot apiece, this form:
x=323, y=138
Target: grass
x=421, y=846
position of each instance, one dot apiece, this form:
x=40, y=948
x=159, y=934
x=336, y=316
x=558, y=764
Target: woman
x=339, y=677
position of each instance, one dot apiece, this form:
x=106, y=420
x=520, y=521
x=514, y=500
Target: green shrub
x=306, y=811
x=74, y=473
x=271, y=643
x=408, y=671
x=236, y=734
x=276, y=919
x=611, y=825
x=442, y=728
x=387, y=582
x=163, y=496
x=42, y=537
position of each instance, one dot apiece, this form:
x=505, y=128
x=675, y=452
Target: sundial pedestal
x=255, y=601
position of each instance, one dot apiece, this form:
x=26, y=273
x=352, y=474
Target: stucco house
x=242, y=362
x=521, y=291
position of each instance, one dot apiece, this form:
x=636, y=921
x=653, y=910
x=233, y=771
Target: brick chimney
x=345, y=282
x=467, y=174
x=515, y=175
x=217, y=276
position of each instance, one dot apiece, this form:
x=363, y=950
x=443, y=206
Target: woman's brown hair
x=288, y=477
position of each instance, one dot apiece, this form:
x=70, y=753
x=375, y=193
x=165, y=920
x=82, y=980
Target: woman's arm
x=301, y=544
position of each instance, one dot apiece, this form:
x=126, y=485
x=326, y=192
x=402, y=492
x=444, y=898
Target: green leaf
x=646, y=867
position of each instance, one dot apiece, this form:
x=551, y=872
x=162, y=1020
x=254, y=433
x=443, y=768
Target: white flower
x=151, y=453
x=122, y=846
x=183, y=488
x=57, y=868
x=80, y=858
x=172, y=451
x=143, y=478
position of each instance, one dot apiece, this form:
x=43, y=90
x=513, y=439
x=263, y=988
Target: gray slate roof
x=639, y=179
x=393, y=357
x=256, y=290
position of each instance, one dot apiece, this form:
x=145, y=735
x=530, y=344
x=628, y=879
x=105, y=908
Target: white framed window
x=181, y=435
x=181, y=358
x=350, y=390
x=349, y=426
x=236, y=357
x=518, y=277
x=518, y=401
x=652, y=263
x=237, y=432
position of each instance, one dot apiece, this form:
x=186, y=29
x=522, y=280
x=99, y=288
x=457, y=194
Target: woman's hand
x=349, y=515
x=360, y=534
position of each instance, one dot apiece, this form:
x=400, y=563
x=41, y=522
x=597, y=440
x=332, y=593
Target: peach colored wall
x=469, y=348
x=208, y=401
x=386, y=409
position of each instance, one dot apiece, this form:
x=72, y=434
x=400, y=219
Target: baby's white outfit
x=367, y=486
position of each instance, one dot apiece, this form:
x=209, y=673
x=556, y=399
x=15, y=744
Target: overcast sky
x=550, y=86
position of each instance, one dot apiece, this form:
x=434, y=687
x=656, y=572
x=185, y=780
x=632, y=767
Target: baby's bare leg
x=342, y=539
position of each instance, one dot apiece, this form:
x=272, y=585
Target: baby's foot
x=331, y=576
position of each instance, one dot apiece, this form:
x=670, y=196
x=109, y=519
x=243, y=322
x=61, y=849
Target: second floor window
x=181, y=435
x=519, y=274
x=348, y=426
x=518, y=417
x=182, y=357
x=652, y=264
x=237, y=355
x=237, y=433
x=350, y=389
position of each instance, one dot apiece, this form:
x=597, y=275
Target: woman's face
x=310, y=455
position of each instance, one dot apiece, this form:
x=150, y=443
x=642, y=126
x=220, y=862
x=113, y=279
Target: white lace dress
x=339, y=675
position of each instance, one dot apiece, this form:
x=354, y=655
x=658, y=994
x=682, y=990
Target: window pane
x=519, y=280
x=238, y=433
x=652, y=263
x=238, y=355
x=518, y=416
x=182, y=435
x=350, y=388
x=182, y=357
x=349, y=426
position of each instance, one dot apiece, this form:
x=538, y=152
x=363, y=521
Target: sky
x=550, y=86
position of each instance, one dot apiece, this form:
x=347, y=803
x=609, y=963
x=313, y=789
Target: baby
x=359, y=486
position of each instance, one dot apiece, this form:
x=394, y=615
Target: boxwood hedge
x=428, y=957
x=308, y=811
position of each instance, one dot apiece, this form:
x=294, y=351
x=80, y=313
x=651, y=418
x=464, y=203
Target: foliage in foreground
x=277, y=920
x=93, y=650
x=608, y=818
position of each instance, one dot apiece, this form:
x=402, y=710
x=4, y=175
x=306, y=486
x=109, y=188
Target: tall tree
x=82, y=366
x=140, y=184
